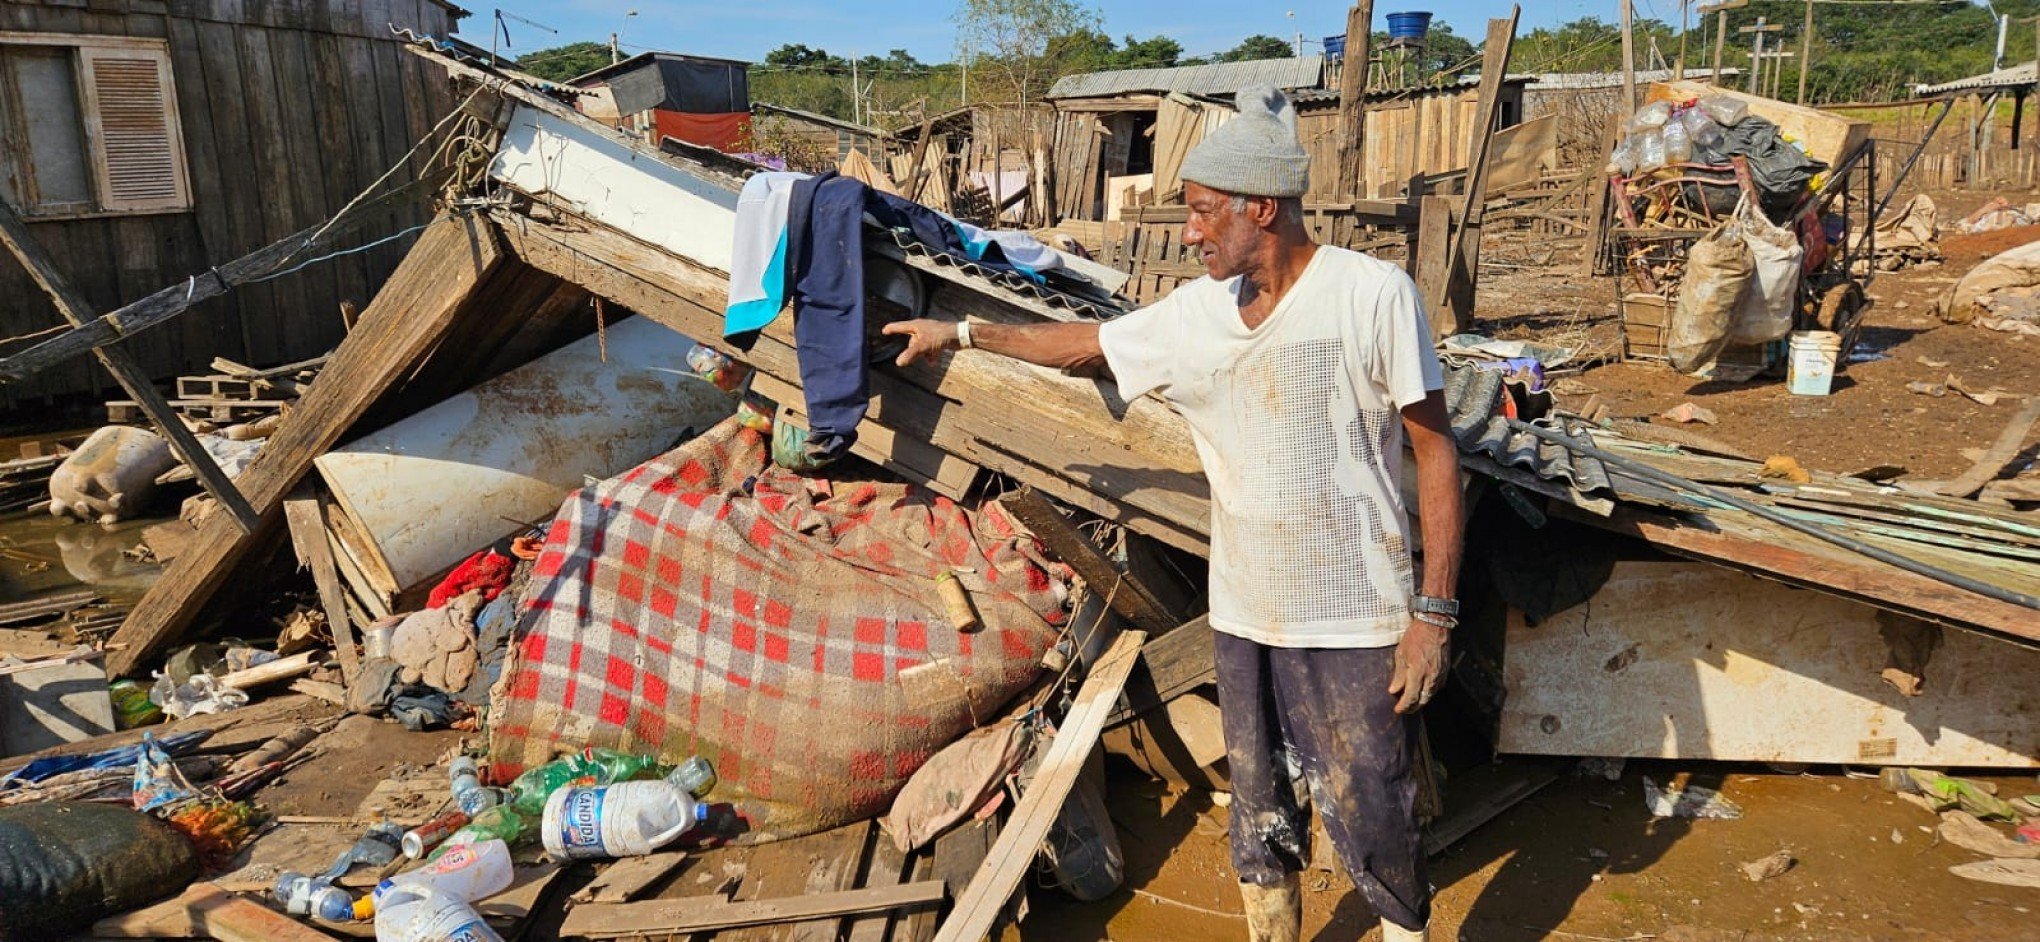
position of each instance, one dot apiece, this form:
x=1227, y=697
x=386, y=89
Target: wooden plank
x=838, y=865
x=1432, y=262
x=120, y=363
x=305, y=512
x=608, y=920
x=1997, y=455
x=885, y=868
x=1125, y=594
x=1463, y=265
x=1170, y=666
x=1013, y=855
x=414, y=308
x=206, y=911
x=623, y=880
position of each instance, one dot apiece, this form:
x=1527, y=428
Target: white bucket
x=1812, y=365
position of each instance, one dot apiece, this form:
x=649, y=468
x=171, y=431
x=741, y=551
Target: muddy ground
x=1583, y=859
x=1535, y=290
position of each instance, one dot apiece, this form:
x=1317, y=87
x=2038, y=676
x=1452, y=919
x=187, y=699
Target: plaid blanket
x=785, y=628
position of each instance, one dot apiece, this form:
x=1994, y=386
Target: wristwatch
x=1436, y=606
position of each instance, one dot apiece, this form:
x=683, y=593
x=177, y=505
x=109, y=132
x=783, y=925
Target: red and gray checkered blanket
x=785, y=628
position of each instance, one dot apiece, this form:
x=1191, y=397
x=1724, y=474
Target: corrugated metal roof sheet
x=1473, y=397
x=1219, y=78
x=2011, y=77
x=1558, y=81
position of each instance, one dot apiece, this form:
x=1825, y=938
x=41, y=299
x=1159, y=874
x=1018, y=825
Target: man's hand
x=924, y=337
x=1419, y=665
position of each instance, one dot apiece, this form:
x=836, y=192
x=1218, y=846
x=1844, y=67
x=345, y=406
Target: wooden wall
x=1424, y=131
x=289, y=109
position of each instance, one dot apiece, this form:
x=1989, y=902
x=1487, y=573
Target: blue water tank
x=1409, y=26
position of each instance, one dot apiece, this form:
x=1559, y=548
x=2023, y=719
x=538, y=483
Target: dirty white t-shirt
x=1299, y=426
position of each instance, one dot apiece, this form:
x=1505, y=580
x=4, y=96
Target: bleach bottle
x=467, y=873
x=627, y=819
x=411, y=913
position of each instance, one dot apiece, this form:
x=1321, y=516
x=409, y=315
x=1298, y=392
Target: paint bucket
x=1811, y=369
x=1411, y=25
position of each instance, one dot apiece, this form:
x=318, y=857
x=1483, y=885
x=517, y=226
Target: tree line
x=1014, y=50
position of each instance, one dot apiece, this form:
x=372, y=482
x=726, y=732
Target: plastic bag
x=1725, y=111
x=1622, y=159
x=1650, y=150
x=203, y=693
x=1651, y=116
x=1765, y=313
x=64, y=864
x=157, y=781
x=1718, y=270
x=1700, y=127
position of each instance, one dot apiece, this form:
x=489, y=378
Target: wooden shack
x=149, y=141
x=832, y=137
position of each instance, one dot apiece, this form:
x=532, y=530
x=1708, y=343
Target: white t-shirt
x=1299, y=425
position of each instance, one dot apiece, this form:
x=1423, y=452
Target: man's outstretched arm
x=1062, y=346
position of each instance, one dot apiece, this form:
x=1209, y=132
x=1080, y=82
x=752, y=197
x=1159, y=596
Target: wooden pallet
x=128, y=412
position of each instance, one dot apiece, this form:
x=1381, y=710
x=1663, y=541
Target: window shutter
x=131, y=119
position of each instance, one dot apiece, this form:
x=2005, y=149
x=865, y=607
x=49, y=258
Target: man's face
x=1225, y=236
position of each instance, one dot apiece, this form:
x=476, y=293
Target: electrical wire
x=307, y=263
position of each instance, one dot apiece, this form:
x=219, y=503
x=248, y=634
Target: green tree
x=561, y=63
x=801, y=56
x=1154, y=52
x=1005, y=43
x=1258, y=46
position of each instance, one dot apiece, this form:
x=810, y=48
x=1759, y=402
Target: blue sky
x=747, y=30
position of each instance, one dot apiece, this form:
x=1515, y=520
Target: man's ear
x=1267, y=209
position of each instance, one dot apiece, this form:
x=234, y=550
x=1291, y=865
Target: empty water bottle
x=294, y=890
x=628, y=819
x=333, y=904
x=501, y=823
x=413, y=914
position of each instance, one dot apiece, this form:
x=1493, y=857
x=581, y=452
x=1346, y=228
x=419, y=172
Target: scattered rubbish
x=1764, y=868
x=375, y=847
x=2002, y=872
x=1604, y=767
x=203, y=693
x=111, y=476
x=1965, y=830
x=467, y=872
x=1945, y=791
x=1693, y=801
x=158, y=782
x=1688, y=412
x=1927, y=361
x=1924, y=388
x=423, y=915
x=1997, y=214
x=627, y=819
x=424, y=837
x=132, y=706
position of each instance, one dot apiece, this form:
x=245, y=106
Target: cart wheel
x=1841, y=311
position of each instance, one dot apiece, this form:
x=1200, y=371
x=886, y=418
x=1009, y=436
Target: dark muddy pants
x=1327, y=713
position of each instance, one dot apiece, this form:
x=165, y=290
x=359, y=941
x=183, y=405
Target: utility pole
x=1757, y=51
x=1628, y=57
x=614, y=58
x=856, y=100
x=1805, y=51
x=1679, y=67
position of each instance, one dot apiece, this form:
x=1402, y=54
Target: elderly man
x=1291, y=362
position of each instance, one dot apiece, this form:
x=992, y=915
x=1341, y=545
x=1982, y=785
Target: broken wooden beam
x=205, y=911
x=1012, y=855
x=607, y=920
x=1463, y=260
x=305, y=512
x=1171, y=665
x=407, y=318
x=62, y=603
x=126, y=369
x=1123, y=592
x=165, y=305
x=2000, y=453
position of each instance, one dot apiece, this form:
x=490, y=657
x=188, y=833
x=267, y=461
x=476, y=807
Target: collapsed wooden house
x=1612, y=524
x=157, y=140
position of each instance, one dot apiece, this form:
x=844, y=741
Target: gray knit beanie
x=1257, y=153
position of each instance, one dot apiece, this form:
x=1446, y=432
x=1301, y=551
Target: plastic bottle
x=501, y=823
x=609, y=766
x=628, y=819
x=1650, y=150
x=1648, y=117
x=695, y=775
x=333, y=904
x=1703, y=130
x=1678, y=143
x=529, y=792
x=1726, y=111
x=409, y=914
x=294, y=890
x=467, y=873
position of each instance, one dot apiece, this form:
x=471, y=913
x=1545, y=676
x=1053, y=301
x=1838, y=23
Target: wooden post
x=1353, y=100
x=1805, y=51
x=124, y=368
x=1628, y=57
x=2018, y=114
x=1720, y=40
x=1464, y=262
x=305, y=513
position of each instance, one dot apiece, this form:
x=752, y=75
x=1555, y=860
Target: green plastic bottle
x=529, y=792
x=609, y=766
x=500, y=822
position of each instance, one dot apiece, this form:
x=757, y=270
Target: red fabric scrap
x=487, y=571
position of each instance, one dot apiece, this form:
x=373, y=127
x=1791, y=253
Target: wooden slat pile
x=235, y=393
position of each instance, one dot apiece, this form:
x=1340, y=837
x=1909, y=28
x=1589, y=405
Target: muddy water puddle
x=41, y=555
